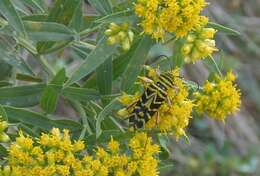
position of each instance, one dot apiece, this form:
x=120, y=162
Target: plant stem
x=82, y=113
x=88, y=31
x=45, y=65
x=216, y=65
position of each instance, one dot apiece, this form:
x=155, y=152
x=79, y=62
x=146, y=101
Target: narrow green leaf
x=77, y=19
x=50, y=95
x=34, y=4
x=112, y=106
x=22, y=96
x=118, y=17
x=3, y=114
x=165, y=152
x=98, y=56
x=29, y=78
x=104, y=77
x=136, y=62
x=102, y=6
x=222, y=28
x=37, y=120
x=48, y=31
x=3, y=151
x=62, y=12
x=106, y=136
x=8, y=11
x=80, y=94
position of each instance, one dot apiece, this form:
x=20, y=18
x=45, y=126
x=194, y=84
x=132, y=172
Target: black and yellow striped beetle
x=156, y=86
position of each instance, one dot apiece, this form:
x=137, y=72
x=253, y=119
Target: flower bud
x=126, y=44
x=186, y=49
x=123, y=112
x=108, y=32
x=195, y=55
x=3, y=125
x=208, y=33
x=4, y=137
x=121, y=35
x=125, y=26
x=191, y=38
x=201, y=45
x=114, y=27
x=112, y=40
x=131, y=36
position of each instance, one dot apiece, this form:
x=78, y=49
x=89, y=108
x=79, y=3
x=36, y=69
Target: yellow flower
x=199, y=44
x=47, y=157
x=175, y=16
x=113, y=145
x=220, y=98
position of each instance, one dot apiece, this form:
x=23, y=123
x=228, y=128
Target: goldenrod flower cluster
x=120, y=34
x=175, y=16
x=220, y=98
x=199, y=44
x=56, y=154
x=175, y=112
x=3, y=126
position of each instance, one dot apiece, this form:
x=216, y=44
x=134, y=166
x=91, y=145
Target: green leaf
x=62, y=12
x=113, y=105
x=48, y=31
x=34, y=4
x=118, y=17
x=222, y=28
x=80, y=94
x=102, y=6
x=50, y=95
x=98, y=56
x=22, y=96
x=136, y=63
x=77, y=19
x=3, y=151
x=105, y=137
x=3, y=114
x=37, y=120
x=8, y=11
x=23, y=77
x=165, y=152
x=104, y=77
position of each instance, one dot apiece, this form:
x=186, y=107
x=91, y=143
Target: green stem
x=45, y=65
x=82, y=113
x=89, y=31
x=216, y=65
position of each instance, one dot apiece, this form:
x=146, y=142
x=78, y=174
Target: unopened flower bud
x=131, y=36
x=4, y=137
x=112, y=40
x=195, y=55
x=126, y=44
x=3, y=126
x=125, y=26
x=123, y=112
x=201, y=45
x=114, y=27
x=186, y=49
x=191, y=38
x=108, y=32
x=208, y=33
x=122, y=35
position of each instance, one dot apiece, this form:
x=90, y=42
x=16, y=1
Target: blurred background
x=230, y=149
